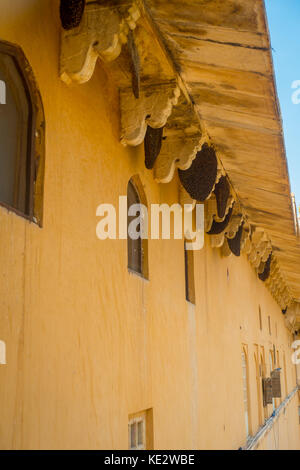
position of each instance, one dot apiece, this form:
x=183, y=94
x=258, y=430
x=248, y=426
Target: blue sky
x=284, y=20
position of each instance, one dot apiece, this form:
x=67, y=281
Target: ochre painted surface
x=281, y=435
x=89, y=344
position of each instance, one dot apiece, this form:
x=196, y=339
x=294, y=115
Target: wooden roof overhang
x=202, y=69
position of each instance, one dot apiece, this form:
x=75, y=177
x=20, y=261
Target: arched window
x=271, y=359
x=285, y=376
x=21, y=135
x=246, y=392
x=278, y=365
x=263, y=374
x=137, y=225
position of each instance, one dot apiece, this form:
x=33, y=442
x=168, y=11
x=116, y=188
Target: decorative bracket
x=217, y=241
x=101, y=33
x=261, y=248
x=153, y=108
x=235, y=222
x=183, y=139
x=213, y=223
x=177, y=152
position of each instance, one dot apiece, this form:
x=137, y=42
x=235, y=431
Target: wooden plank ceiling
x=221, y=49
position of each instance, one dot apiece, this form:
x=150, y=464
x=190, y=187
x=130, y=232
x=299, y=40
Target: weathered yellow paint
x=89, y=344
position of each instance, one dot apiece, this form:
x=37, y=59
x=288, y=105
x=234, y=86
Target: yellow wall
x=282, y=434
x=89, y=344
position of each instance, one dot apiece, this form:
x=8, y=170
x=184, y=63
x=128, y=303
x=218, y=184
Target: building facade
x=115, y=345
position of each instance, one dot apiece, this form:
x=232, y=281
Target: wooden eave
x=221, y=50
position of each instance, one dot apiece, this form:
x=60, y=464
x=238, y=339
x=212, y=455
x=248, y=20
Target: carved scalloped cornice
x=183, y=139
x=236, y=221
x=212, y=211
x=255, y=243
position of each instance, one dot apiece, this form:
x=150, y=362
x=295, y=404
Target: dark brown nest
x=222, y=192
x=284, y=310
x=235, y=243
x=266, y=272
x=219, y=227
x=71, y=12
x=135, y=65
x=199, y=179
x=152, y=145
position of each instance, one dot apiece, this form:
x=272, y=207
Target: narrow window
x=245, y=392
x=271, y=369
x=134, y=244
x=285, y=376
x=263, y=373
x=278, y=365
x=137, y=243
x=140, y=430
x=21, y=135
x=137, y=433
x=258, y=387
x=189, y=275
x=260, y=319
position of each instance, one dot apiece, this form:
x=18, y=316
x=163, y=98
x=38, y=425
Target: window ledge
x=139, y=275
x=10, y=209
